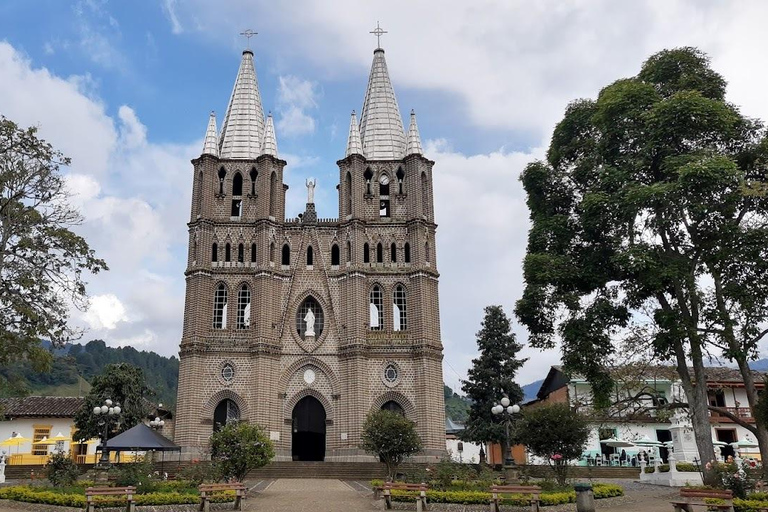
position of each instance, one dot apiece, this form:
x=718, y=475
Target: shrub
x=139, y=474
x=31, y=494
x=61, y=470
x=390, y=436
x=749, y=505
x=199, y=472
x=239, y=447
x=466, y=497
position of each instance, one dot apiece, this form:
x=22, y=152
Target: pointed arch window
x=379, y=253
x=272, y=252
x=424, y=194
x=222, y=176
x=393, y=252
x=286, y=260
x=310, y=256
x=384, y=195
x=376, y=308
x=335, y=257
x=220, y=307
x=226, y=412
x=273, y=195
x=215, y=252
x=407, y=252
x=244, y=307
x=349, y=251
x=253, y=253
x=253, y=175
x=240, y=253
x=368, y=176
x=237, y=184
x=426, y=252
x=348, y=192
x=227, y=252
x=366, y=253
x=400, y=177
x=393, y=406
x=399, y=309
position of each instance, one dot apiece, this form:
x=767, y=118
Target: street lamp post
x=106, y=413
x=507, y=412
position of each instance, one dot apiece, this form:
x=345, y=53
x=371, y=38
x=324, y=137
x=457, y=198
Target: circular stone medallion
x=309, y=376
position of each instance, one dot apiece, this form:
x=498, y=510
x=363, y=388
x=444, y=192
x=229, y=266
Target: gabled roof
x=381, y=127
x=244, y=123
x=41, y=406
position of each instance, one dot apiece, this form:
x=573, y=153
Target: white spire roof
x=244, y=122
x=211, y=144
x=269, y=144
x=354, y=143
x=381, y=127
x=413, y=145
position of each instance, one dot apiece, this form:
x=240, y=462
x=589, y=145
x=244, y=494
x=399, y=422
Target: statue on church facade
x=311, y=190
x=309, y=319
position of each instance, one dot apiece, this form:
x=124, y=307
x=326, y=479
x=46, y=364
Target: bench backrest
x=401, y=486
x=109, y=491
x=235, y=486
x=706, y=493
x=516, y=489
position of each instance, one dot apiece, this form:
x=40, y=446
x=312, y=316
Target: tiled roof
x=381, y=127
x=244, y=123
x=41, y=406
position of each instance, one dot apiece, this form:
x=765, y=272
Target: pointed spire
x=413, y=146
x=211, y=144
x=269, y=144
x=381, y=127
x=354, y=143
x=244, y=122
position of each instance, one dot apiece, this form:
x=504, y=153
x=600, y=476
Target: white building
x=633, y=415
x=458, y=450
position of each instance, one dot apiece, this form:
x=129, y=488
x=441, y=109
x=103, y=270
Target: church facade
x=305, y=325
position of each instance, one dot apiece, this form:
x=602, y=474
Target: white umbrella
x=744, y=443
x=646, y=441
x=718, y=443
x=617, y=443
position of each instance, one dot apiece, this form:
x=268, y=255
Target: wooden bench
x=534, y=491
x=421, y=498
x=128, y=492
x=207, y=490
x=690, y=499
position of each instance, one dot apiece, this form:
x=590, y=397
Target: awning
x=141, y=438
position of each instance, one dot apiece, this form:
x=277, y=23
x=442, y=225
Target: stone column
x=585, y=498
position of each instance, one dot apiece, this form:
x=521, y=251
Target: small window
x=307, y=305
x=273, y=195
x=38, y=435
x=240, y=253
x=227, y=252
x=400, y=176
x=399, y=311
x=348, y=192
x=407, y=252
x=244, y=307
x=215, y=252
x=222, y=175
x=220, y=307
x=366, y=253
x=310, y=256
x=228, y=372
x=376, y=308
x=236, y=210
x=390, y=373
x=237, y=184
x=424, y=194
x=286, y=255
x=379, y=253
x=272, y=252
x=384, y=185
x=368, y=175
x=335, y=255
x=426, y=252
x=393, y=253
x=253, y=175
x=253, y=253
x=349, y=251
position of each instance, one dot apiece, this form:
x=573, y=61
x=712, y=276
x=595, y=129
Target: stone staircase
x=335, y=470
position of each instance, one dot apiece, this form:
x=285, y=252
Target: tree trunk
x=761, y=433
x=702, y=430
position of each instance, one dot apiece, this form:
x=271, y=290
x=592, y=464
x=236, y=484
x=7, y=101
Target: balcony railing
x=744, y=413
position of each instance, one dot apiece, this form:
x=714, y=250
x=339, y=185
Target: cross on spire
x=378, y=32
x=248, y=33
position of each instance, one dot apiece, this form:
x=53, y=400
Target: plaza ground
x=324, y=495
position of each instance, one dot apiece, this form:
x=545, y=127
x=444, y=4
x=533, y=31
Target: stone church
x=304, y=325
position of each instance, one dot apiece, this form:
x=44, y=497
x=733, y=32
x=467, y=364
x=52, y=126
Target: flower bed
x=72, y=498
x=483, y=497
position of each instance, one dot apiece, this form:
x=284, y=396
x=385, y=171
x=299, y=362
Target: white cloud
x=294, y=97
x=105, y=312
x=169, y=8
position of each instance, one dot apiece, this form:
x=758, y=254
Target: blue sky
x=125, y=89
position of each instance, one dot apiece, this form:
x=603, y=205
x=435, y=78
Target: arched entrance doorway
x=226, y=411
x=393, y=406
x=308, y=438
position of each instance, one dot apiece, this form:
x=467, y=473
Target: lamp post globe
x=505, y=401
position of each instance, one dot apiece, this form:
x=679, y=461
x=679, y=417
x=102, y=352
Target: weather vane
x=378, y=32
x=248, y=34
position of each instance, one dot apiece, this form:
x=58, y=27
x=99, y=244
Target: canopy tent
x=647, y=441
x=141, y=438
x=617, y=443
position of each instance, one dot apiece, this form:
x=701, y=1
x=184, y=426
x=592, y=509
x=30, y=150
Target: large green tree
x=649, y=209
x=238, y=447
x=390, y=436
x=492, y=375
x=124, y=384
x=42, y=261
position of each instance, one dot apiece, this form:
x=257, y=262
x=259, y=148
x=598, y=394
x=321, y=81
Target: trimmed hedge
x=50, y=497
x=683, y=467
x=483, y=497
x=740, y=505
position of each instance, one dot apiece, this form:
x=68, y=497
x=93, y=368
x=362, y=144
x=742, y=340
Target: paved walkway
x=310, y=495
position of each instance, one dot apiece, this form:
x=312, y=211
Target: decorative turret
x=413, y=146
x=211, y=144
x=244, y=123
x=269, y=144
x=354, y=144
x=381, y=127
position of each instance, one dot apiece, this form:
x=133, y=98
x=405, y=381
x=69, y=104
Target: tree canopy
x=42, y=261
x=391, y=436
x=649, y=209
x=238, y=447
x=491, y=376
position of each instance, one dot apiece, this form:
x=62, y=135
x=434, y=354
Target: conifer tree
x=491, y=377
